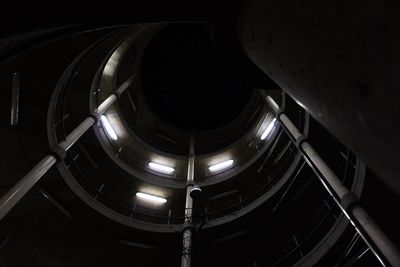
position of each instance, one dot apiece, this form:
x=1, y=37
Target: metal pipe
x=16, y=82
x=377, y=236
x=273, y=105
x=188, y=204
x=370, y=232
x=18, y=191
x=290, y=127
x=125, y=85
x=331, y=178
x=103, y=107
x=188, y=224
x=190, y=172
x=188, y=228
x=377, y=251
x=187, y=248
x=106, y=104
x=77, y=133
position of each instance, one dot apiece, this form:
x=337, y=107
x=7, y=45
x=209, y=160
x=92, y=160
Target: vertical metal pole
x=188, y=224
x=187, y=231
x=16, y=82
x=380, y=245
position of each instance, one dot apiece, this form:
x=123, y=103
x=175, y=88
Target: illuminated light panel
x=151, y=198
x=161, y=168
x=110, y=131
x=221, y=165
x=268, y=130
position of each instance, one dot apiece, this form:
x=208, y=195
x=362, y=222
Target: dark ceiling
x=192, y=83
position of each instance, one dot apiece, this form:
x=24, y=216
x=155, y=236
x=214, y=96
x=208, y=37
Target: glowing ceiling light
x=151, y=198
x=161, y=168
x=108, y=127
x=220, y=166
x=269, y=129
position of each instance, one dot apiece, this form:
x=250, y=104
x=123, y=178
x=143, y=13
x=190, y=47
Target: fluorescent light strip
x=161, y=168
x=269, y=129
x=151, y=198
x=220, y=166
x=110, y=131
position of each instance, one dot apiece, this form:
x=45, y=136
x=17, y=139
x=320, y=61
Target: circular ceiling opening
x=190, y=83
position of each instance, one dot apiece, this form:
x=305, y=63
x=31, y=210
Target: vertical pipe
x=187, y=248
x=187, y=232
x=190, y=173
x=16, y=82
x=188, y=224
x=188, y=205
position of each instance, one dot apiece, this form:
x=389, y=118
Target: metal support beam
x=187, y=230
x=76, y=133
x=380, y=245
x=188, y=224
x=17, y=192
x=190, y=173
x=187, y=248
